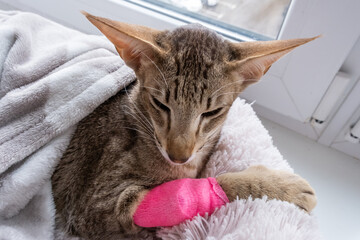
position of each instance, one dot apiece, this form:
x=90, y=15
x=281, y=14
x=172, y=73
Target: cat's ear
x=135, y=44
x=251, y=60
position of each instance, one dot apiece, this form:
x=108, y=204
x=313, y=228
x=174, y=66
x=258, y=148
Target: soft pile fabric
x=245, y=142
x=51, y=78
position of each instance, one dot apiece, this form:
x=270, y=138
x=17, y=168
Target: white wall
x=334, y=176
x=292, y=88
x=4, y=6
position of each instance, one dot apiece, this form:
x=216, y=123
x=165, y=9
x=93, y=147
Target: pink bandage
x=174, y=202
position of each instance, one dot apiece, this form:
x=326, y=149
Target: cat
x=163, y=127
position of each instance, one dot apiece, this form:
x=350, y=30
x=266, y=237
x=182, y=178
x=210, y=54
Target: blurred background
x=309, y=100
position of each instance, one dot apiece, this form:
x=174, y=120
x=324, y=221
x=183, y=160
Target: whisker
x=139, y=119
x=227, y=93
x=145, y=128
x=138, y=111
x=142, y=116
x=153, y=89
x=213, y=133
x=135, y=113
x=226, y=86
x=156, y=68
x=211, y=140
x=144, y=135
x=242, y=80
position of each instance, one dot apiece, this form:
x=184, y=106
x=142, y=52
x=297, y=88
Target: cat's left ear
x=251, y=60
x=135, y=44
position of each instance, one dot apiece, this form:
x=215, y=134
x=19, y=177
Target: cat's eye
x=212, y=113
x=160, y=105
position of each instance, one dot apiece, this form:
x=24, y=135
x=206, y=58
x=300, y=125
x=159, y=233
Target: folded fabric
x=50, y=78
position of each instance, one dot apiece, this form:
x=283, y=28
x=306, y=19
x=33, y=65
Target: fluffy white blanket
x=52, y=77
x=245, y=142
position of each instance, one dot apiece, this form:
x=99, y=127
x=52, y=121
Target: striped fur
x=162, y=127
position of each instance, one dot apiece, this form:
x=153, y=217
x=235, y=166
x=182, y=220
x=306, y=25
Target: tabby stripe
x=176, y=89
x=208, y=104
x=198, y=129
x=167, y=96
x=195, y=88
x=177, y=62
x=205, y=73
x=184, y=91
x=132, y=140
x=169, y=121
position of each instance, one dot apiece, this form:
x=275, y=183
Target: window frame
x=278, y=92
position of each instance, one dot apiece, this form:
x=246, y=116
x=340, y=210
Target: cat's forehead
x=197, y=39
x=195, y=31
x=193, y=67
x=195, y=52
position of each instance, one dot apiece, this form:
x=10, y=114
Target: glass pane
x=257, y=19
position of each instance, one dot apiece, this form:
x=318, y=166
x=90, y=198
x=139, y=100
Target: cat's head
x=189, y=77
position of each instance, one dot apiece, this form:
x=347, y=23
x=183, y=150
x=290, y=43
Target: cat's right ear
x=251, y=60
x=135, y=44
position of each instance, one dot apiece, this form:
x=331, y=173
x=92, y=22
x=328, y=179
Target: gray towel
x=51, y=78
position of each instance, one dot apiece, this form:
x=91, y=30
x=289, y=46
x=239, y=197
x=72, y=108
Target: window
x=256, y=19
x=293, y=87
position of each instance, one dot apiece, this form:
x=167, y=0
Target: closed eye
x=160, y=105
x=212, y=113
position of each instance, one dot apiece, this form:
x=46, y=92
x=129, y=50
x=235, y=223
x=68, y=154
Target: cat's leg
x=126, y=206
x=258, y=181
x=173, y=202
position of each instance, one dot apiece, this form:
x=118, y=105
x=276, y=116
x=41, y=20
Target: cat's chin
x=175, y=163
x=182, y=163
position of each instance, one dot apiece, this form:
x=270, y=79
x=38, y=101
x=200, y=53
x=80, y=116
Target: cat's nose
x=178, y=161
x=180, y=147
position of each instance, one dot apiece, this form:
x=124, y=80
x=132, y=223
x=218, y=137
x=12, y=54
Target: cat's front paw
x=259, y=181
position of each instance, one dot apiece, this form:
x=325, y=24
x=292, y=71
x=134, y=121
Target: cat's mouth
x=175, y=161
x=170, y=159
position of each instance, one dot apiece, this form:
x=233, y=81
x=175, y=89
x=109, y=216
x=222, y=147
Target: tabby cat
x=163, y=127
